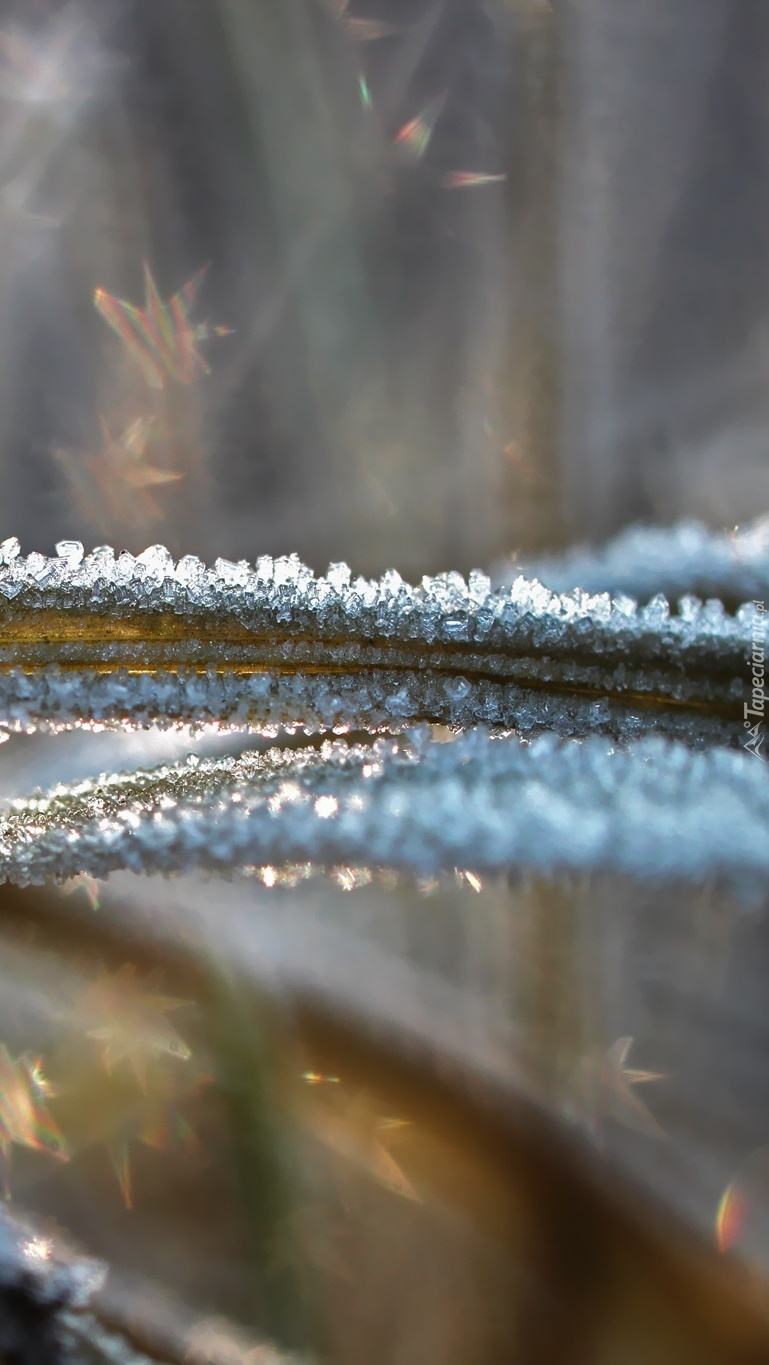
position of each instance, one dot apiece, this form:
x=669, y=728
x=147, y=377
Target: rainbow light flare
x=731, y=1217
x=24, y=1117
x=413, y=139
x=463, y=180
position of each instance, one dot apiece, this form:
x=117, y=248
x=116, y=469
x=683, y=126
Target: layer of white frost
x=53, y=700
x=284, y=592
x=657, y=810
x=645, y=560
x=593, y=639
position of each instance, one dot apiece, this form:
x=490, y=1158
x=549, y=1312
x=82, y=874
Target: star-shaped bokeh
x=351, y=1127
x=603, y=1087
x=127, y=1017
x=157, y=1121
x=115, y=482
x=160, y=337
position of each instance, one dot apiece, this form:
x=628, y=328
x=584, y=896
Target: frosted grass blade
x=658, y=812
x=127, y=642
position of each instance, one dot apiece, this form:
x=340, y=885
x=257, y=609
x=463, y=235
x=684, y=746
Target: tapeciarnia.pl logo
x=753, y=711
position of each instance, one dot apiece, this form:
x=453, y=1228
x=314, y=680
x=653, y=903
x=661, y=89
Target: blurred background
x=495, y=273
x=412, y=283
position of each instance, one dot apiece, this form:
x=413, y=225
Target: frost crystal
x=71, y=550
x=9, y=549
